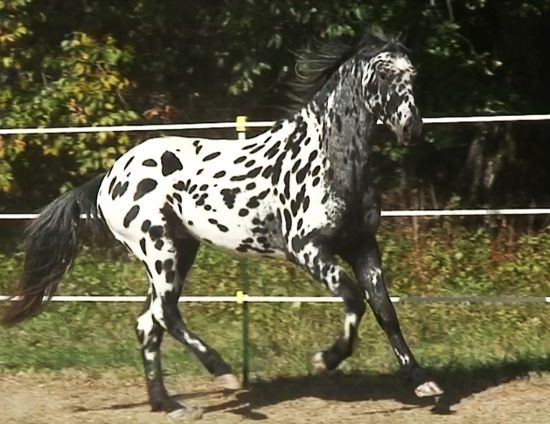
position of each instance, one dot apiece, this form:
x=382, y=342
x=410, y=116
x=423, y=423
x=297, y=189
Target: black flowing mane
x=315, y=65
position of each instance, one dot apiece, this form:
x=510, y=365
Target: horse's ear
x=377, y=32
x=374, y=39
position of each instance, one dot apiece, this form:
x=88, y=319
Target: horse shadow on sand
x=458, y=382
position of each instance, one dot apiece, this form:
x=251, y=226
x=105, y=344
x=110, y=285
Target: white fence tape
x=256, y=124
x=240, y=298
x=403, y=213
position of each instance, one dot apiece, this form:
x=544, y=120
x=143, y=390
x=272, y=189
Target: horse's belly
x=236, y=241
x=257, y=232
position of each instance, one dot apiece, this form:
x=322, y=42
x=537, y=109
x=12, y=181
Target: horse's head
x=388, y=84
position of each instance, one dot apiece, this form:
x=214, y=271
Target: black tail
x=51, y=244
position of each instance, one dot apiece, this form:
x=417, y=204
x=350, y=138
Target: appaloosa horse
x=300, y=190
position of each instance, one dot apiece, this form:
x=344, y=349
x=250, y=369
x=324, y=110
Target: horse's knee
x=148, y=331
x=353, y=296
x=144, y=326
x=357, y=305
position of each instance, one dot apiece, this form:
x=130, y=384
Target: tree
x=90, y=62
x=75, y=82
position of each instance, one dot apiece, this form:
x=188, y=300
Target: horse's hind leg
x=150, y=335
x=186, y=249
x=167, y=263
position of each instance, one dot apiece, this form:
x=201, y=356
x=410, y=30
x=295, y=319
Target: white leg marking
x=187, y=414
x=150, y=356
x=193, y=342
x=374, y=276
x=332, y=280
x=404, y=359
x=318, y=363
x=145, y=323
x=351, y=321
x=427, y=389
x=156, y=309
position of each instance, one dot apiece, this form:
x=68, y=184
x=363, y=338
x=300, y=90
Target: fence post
x=241, y=296
x=241, y=127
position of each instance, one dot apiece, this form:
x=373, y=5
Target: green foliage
x=76, y=83
x=88, y=63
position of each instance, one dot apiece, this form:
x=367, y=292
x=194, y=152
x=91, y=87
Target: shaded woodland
x=105, y=62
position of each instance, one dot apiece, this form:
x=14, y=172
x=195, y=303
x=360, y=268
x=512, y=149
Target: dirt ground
x=72, y=397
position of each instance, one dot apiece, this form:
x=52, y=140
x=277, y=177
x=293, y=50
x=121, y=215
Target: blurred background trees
x=106, y=62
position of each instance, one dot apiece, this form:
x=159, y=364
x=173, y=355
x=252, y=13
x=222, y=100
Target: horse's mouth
x=408, y=139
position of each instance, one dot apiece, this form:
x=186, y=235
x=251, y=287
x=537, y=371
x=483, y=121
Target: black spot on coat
x=179, y=186
x=119, y=190
x=142, y=245
x=149, y=162
x=253, y=203
x=146, y=225
x=229, y=196
x=211, y=156
x=144, y=186
x=156, y=232
x=170, y=163
x=128, y=163
x=301, y=174
x=131, y=215
x=273, y=150
x=250, y=174
x=111, y=185
x=288, y=220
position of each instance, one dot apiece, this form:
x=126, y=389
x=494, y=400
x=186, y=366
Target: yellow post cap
x=239, y=297
x=241, y=123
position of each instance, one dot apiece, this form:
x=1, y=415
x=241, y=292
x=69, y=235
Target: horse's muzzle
x=411, y=131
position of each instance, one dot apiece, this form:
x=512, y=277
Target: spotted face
x=390, y=75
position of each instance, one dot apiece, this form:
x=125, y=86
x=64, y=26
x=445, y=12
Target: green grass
x=97, y=337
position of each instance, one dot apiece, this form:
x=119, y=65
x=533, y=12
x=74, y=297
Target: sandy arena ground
x=71, y=397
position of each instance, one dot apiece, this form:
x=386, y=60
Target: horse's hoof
x=428, y=389
x=228, y=382
x=318, y=362
x=188, y=414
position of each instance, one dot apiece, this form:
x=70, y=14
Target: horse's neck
x=346, y=134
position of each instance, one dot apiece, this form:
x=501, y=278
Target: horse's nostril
x=407, y=127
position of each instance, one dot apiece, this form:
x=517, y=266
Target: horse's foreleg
x=366, y=264
x=323, y=268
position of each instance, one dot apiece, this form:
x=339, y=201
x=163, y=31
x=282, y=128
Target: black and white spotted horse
x=300, y=190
